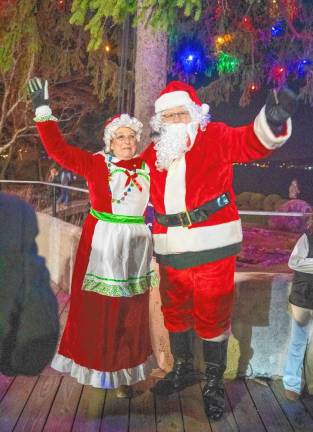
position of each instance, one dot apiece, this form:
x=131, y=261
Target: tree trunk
x=150, y=75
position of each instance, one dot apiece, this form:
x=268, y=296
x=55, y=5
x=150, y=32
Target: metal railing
x=55, y=186
x=269, y=236
x=46, y=196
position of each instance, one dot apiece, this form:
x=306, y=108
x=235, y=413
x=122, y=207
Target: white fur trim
x=43, y=111
x=101, y=379
x=265, y=134
x=205, y=108
x=124, y=120
x=172, y=100
x=192, y=130
x=175, y=187
x=179, y=239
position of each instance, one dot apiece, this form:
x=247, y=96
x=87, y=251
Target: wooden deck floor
x=56, y=403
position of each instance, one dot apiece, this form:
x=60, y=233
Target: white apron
x=121, y=253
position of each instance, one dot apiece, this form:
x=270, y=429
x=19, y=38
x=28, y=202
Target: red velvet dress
x=106, y=341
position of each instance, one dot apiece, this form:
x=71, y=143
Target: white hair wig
x=124, y=120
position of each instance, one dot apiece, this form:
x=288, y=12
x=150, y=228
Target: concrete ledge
x=261, y=321
x=260, y=325
x=57, y=243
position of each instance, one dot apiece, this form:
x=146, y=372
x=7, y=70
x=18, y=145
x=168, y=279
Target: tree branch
x=13, y=139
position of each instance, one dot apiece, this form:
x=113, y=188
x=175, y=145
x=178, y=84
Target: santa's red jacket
x=202, y=174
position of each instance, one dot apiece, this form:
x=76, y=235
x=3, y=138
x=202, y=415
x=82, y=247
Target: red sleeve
x=242, y=145
x=148, y=155
x=66, y=155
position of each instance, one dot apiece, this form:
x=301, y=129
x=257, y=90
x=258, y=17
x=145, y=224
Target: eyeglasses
x=180, y=115
x=125, y=138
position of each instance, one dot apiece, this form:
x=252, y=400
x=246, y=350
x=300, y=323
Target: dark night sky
x=300, y=144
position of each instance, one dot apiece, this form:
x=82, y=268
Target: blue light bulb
x=278, y=29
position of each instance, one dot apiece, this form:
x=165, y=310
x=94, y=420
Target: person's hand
x=38, y=91
x=280, y=105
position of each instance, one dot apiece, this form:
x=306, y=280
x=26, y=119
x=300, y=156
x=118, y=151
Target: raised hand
x=38, y=91
x=280, y=105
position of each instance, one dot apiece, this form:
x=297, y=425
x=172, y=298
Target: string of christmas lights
x=267, y=46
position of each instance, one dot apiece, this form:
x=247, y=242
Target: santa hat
x=177, y=93
x=116, y=122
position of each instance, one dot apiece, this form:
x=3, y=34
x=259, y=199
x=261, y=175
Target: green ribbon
x=115, y=218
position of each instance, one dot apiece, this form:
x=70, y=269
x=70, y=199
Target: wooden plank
x=115, y=414
x=297, y=415
x=89, y=413
x=194, y=416
x=268, y=408
x=63, y=410
x=5, y=383
x=48, y=371
x=243, y=407
x=307, y=401
x=227, y=423
x=38, y=405
x=14, y=401
x=168, y=413
x=142, y=413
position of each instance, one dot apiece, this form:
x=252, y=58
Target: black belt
x=200, y=214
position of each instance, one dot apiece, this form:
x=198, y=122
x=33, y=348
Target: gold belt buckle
x=182, y=220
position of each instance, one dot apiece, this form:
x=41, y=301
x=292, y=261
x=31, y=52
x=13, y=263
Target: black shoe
x=213, y=393
x=215, y=354
x=183, y=374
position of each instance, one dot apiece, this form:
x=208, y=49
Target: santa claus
x=197, y=230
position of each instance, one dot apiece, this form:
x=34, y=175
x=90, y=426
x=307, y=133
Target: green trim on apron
x=116, y=218
x=118, y=288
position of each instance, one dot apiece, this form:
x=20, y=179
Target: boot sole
x=174, y=389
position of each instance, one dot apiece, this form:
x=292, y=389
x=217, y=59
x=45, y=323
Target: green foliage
x=36, y=39
x=161, y=14
x=17, y=34
x=103, y=73
x=38, y=34
x=253, y=45
x=255, y=48
x=100, y=11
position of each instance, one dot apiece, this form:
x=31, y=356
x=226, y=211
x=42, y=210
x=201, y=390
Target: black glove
x=280, y=105
x=38, y=91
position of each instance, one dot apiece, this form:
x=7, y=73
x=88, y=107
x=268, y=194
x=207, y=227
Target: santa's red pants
x=199, y=297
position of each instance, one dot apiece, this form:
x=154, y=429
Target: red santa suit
x=197, y=262
x=106, y=341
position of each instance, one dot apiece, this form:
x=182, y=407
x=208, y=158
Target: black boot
x=215, y=358
x=183, y=374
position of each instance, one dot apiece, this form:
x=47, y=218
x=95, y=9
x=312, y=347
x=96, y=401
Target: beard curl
x=171, y=144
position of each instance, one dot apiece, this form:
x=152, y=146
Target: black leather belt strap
x=200, y=214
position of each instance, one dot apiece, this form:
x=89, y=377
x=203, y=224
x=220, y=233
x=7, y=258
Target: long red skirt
x=105, y=334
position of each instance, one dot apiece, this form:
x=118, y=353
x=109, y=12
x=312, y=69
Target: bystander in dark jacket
x=29, y=325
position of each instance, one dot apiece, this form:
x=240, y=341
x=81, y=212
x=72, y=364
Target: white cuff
x=43, y=111
x=265, y=134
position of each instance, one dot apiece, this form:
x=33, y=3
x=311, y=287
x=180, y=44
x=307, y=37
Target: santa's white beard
x=171, y=144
